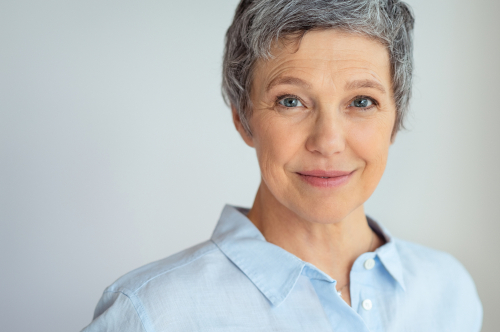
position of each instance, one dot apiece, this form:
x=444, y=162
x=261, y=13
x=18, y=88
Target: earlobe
x=393, y=137
x=394, y=133
x=239, y=127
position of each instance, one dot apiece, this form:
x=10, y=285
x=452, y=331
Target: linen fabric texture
x=237, y=281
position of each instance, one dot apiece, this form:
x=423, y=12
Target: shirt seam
x=175, y=268
x=139, y=309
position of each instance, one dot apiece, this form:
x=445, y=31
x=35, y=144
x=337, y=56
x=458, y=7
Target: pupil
x=361, y=102
x=290, y=102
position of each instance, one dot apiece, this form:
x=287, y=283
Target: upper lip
x=325, y=174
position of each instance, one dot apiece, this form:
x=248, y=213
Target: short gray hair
x=257, y=24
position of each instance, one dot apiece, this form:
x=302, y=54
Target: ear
x=394, y=131
x=239, y=127
x=393, y=137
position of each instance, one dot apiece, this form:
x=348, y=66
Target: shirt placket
x=340, y=315
x=363, y=290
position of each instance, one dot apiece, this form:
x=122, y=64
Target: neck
x=331, y=247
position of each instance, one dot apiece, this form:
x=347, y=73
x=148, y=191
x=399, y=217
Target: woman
x=319, y=89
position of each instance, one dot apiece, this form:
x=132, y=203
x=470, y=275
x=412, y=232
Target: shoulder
x=417, y=259
x=133, y=281
x=198, y=279
x=142, y=291
x=437, y=275
x=169, y=278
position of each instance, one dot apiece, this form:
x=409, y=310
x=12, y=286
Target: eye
x=290, y=102
x=362, y=102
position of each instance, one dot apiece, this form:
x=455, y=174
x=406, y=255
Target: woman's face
x=323, y=114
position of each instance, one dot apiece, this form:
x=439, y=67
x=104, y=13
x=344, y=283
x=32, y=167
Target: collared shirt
x=237, y=281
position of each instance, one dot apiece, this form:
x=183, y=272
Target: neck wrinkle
x=332, y=248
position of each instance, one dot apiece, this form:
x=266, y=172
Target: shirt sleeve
x=477, y=310
x=467, y=299
x=117, y=312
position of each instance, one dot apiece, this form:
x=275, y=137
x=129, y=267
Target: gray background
x=116, y=148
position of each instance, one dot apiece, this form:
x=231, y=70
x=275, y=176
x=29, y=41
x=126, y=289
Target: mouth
x=325, y=179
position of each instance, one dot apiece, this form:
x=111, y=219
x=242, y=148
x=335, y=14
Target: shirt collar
x=388, y=253
x=273, y=270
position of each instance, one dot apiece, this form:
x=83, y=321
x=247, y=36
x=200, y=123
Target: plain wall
x=116, y=148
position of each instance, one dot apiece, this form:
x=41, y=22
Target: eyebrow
x=288, y=80
x=364, y=84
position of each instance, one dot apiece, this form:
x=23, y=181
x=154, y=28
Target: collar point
x=276, y=302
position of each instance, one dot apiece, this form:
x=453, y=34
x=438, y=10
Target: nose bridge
x=327, y=133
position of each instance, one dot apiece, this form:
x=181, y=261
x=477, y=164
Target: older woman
x=319, y=89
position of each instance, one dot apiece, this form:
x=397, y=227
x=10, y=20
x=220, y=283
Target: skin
x=326, y=72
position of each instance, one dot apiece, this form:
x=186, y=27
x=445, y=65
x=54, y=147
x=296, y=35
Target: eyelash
x=281, y=97
x=374, y=102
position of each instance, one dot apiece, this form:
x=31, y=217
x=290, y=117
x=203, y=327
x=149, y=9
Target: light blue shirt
x=237, y=281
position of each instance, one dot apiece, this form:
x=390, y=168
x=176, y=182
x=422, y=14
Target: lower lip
x=320, y=182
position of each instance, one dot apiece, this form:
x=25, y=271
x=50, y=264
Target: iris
x=290, y=102
x=361, y=102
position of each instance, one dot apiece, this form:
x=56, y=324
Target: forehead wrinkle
x=367, y=73
x=288, y=80
x=364, y=83
x=287, y=73
x=305, y=64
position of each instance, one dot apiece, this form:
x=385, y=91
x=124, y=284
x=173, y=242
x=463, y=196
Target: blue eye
x=362, y=102
x=290, y=102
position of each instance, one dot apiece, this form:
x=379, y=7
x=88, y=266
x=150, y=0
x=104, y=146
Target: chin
x=323, y=211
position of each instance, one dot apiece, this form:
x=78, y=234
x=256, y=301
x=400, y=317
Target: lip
x=325, y=179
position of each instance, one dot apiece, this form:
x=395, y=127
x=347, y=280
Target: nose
x=327, y=135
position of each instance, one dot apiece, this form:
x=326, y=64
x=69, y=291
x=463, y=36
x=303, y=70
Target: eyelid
x=290, y=95
x=287, y=95
x=373, y=100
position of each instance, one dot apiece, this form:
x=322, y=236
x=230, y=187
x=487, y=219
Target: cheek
x=276, y=143
x=370, y=142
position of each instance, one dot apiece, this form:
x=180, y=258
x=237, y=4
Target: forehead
x=334, y=53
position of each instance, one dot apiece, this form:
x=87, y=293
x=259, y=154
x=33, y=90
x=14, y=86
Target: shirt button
x=369, y=263
x=367, y=304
